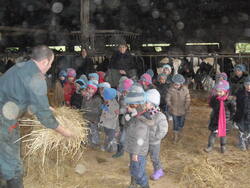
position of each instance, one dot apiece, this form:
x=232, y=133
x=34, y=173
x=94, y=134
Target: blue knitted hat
x=82, y=84
x=109, y=94
x=167, y=66
x=240, y=67
x=178, y=79
x=94, y=75
x=62, y=73
x=161, y=75
x=104, y=84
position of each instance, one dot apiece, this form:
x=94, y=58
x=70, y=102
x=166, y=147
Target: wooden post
x=85, y=8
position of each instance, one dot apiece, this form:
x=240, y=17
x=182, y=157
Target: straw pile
x=201, y=173
x=42, y=141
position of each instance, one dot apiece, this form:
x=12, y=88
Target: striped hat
x=136, y=95
x=92, y=85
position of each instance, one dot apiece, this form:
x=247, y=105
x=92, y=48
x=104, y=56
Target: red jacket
x=69, y=89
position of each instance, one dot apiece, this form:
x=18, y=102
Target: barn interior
x=214, y=33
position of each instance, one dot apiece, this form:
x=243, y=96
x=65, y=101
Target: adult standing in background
x=23, y=87
x=121, y=64
x=84, y=64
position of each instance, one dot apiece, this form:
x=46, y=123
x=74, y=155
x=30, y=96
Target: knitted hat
x=127, y=84
x=136, y=95
x=223, y=75
x=101, y=76
x=104, y=85
x=222, y=85
x=161, y=75
x=247, y=81
x=84, y=78
x=62, y=73
x=150, y=72
x=153, y=97
x=81, y=83
x=122, y=79
x=71, y=72
x=178, y=79
x=95, y=76
x=146, y=78
x=167, y=66
x=240, y=67
x=109, y=94
x=92, y=85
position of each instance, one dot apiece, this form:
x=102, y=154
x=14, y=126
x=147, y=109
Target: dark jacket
x=92, y=108
x=121, y=61
x=162, y=88
x=230, y=111
x=84, y=66
x=242, y=106
x=237, y=83
x=76, y=100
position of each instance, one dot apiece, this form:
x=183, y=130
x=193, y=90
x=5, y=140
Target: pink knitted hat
x=126, y=85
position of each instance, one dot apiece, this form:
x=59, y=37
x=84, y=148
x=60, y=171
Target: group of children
x=134, y=116
x=230, y=108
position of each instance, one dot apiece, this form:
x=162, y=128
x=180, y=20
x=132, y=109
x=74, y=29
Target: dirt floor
x=185, y=163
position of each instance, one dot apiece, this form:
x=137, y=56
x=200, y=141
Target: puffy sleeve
x=39, y=104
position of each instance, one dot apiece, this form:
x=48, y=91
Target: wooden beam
x=85, y=8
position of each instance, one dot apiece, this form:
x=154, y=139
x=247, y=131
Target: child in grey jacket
x=157, y=132
x=137, y=138
x=109, y=117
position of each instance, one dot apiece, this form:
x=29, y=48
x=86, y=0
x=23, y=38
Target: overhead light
x=58, y=48
x=202, y=44
x=158, y=49
x=155, y=45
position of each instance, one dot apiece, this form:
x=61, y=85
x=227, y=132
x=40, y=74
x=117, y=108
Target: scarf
x=222, y=117
x=154, y=110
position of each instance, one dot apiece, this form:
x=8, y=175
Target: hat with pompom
x=71, y=72
x=222, y=85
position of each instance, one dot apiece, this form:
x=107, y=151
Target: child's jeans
x=94, y=134
x=138, y=170
x=154, y=152
x=178, y=122
x=110, y=134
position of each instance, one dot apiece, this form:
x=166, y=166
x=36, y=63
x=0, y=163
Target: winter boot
x=157, y=174
x=145, y=186
x=242, y=142
x=223, y=148
x=211, y=140
x=120, y=151
x=3, y=183
x=175, y=138
x=132, y=183
x=16, y=182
